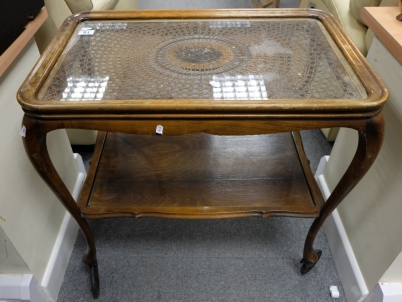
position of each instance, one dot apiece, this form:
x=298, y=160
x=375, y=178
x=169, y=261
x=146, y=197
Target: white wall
x=31, y=214
x=10, y=260
x=371, y=213
x=393, y=273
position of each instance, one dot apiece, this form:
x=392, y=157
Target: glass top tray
x=218, y=59
x=226, y=61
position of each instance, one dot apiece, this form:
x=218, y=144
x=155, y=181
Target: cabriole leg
x=36, y=149
x=369, y=145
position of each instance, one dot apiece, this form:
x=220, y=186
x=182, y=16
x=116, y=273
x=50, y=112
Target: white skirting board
x=64, y=244
x=385, y=292
x=25, y=287
x=348, y=269
x=20, y=288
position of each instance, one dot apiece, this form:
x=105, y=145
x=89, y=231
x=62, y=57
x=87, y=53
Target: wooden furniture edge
x=18, y=45
x=369, y=106
x=86, y=190
x=300, y=211
x=382, y=21
x=315, y=191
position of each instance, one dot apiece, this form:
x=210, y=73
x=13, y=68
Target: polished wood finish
x=202, y=167
x=35, y=145
x=198, y=176
x=315, y=108
x=369, y=145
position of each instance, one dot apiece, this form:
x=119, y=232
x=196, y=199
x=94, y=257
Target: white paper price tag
x=86, y=32
x=334, y=292
x=23, y=131
x=159, y=129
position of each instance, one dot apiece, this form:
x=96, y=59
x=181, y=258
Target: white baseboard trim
x=348, y=269
x=20, y=288
x=385, y=292
x=25, y=287
x=64, y=244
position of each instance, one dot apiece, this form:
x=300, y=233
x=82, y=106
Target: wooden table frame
x=236, y=118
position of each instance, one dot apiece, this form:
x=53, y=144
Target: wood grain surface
x=377, y=93
x=224, y=164
x=197, y=176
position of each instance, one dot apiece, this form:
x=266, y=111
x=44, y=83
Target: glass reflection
x=107, y=25
x=84, y=88
x=222, y=59
x=222, y=24
x=240, y=87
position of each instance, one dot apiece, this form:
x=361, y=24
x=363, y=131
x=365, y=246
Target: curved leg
x=94, y=274
x=36, y=149
x=370, y=141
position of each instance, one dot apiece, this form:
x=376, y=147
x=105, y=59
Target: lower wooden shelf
x=199, y=176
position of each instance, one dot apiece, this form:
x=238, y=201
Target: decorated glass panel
x=219, y=60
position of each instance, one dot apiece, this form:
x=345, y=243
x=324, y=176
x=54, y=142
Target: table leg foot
x=307, y=265
x=369, y=144
x=36, y=148
x=94, y=274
